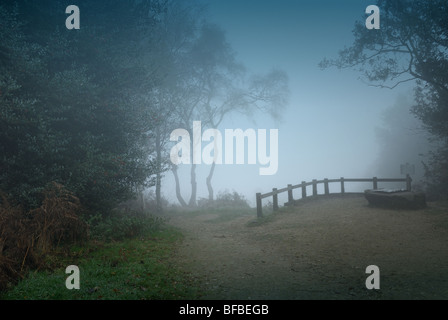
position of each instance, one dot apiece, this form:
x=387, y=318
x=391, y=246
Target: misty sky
x=328, y=129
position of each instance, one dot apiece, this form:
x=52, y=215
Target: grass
x=132, y=269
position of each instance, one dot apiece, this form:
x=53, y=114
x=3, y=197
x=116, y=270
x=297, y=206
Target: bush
x=436, y=175
x=120, y=225
x=144, y=201
x=226, y=200
x=151, y=202
x=27, y=236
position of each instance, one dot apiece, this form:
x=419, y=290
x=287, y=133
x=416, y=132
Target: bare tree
x=218, y=85
x=265, y=93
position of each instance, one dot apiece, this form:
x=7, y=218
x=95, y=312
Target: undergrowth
x=132, y=269
x=122, y=225
x=26, y=237
x=124, y=255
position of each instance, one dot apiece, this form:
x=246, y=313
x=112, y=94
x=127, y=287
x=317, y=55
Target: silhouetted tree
x=411, y=45
x=217, y=86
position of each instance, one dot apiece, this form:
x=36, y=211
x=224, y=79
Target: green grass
x=132, y=269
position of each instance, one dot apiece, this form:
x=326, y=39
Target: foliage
x=93, y=108
x=122, y=225
x=231, y=199
x=411, y=45
x=66, y=108
x=226, y=200
x=26, y=237
x=151, y=202
x=133, y=269
x=216, y=87
x=437, y=174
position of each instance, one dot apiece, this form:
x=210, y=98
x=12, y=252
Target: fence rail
x=275, y=192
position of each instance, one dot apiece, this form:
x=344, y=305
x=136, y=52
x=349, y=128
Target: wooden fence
x=314, y=183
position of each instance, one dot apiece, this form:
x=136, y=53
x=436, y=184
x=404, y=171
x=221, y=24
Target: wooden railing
x=314, y=183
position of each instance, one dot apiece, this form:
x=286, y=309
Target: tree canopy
x=91, y=109
x=410, y=46
x=67, y=113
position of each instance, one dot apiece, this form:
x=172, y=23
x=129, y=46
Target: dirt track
x=318, y=250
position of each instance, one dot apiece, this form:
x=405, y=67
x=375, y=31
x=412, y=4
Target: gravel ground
x=319, y=249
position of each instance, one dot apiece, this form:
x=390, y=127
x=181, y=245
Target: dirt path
x=318, y=250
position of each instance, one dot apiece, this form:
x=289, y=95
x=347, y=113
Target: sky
x=328, y=128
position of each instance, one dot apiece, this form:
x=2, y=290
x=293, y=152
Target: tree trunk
x=194, y=186
x=178, y=194
x=142, y=195
x=159, y=173
x=209, y=182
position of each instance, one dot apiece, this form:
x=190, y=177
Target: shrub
x=233, y=200
x=26, y=237
x=56, y=220
x=122, y=224
x=226, y=200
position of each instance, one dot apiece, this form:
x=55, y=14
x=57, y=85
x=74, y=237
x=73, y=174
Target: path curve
x=318, y=250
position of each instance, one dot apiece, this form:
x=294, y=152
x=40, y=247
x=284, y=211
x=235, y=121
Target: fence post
x=342, y=185
x=303, y=189
x=408, y=182
x=259, y=208
x=327, y=190
x=314, y=187
x=290, y=198
x=375, y=183
x=275, y=199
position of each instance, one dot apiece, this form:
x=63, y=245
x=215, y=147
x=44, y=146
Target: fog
x=330, y=126
x=119, y=118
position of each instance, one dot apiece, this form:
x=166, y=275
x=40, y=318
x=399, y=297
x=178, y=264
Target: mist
x=330, y=125
x=223, y=150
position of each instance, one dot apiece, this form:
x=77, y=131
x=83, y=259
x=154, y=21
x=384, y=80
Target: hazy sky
x=328, y=128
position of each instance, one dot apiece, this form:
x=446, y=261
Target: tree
x=402, y=140
x=265, y=93
x=175, y=34
x=216, y=86
x=67, y=113
x=412, y=45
